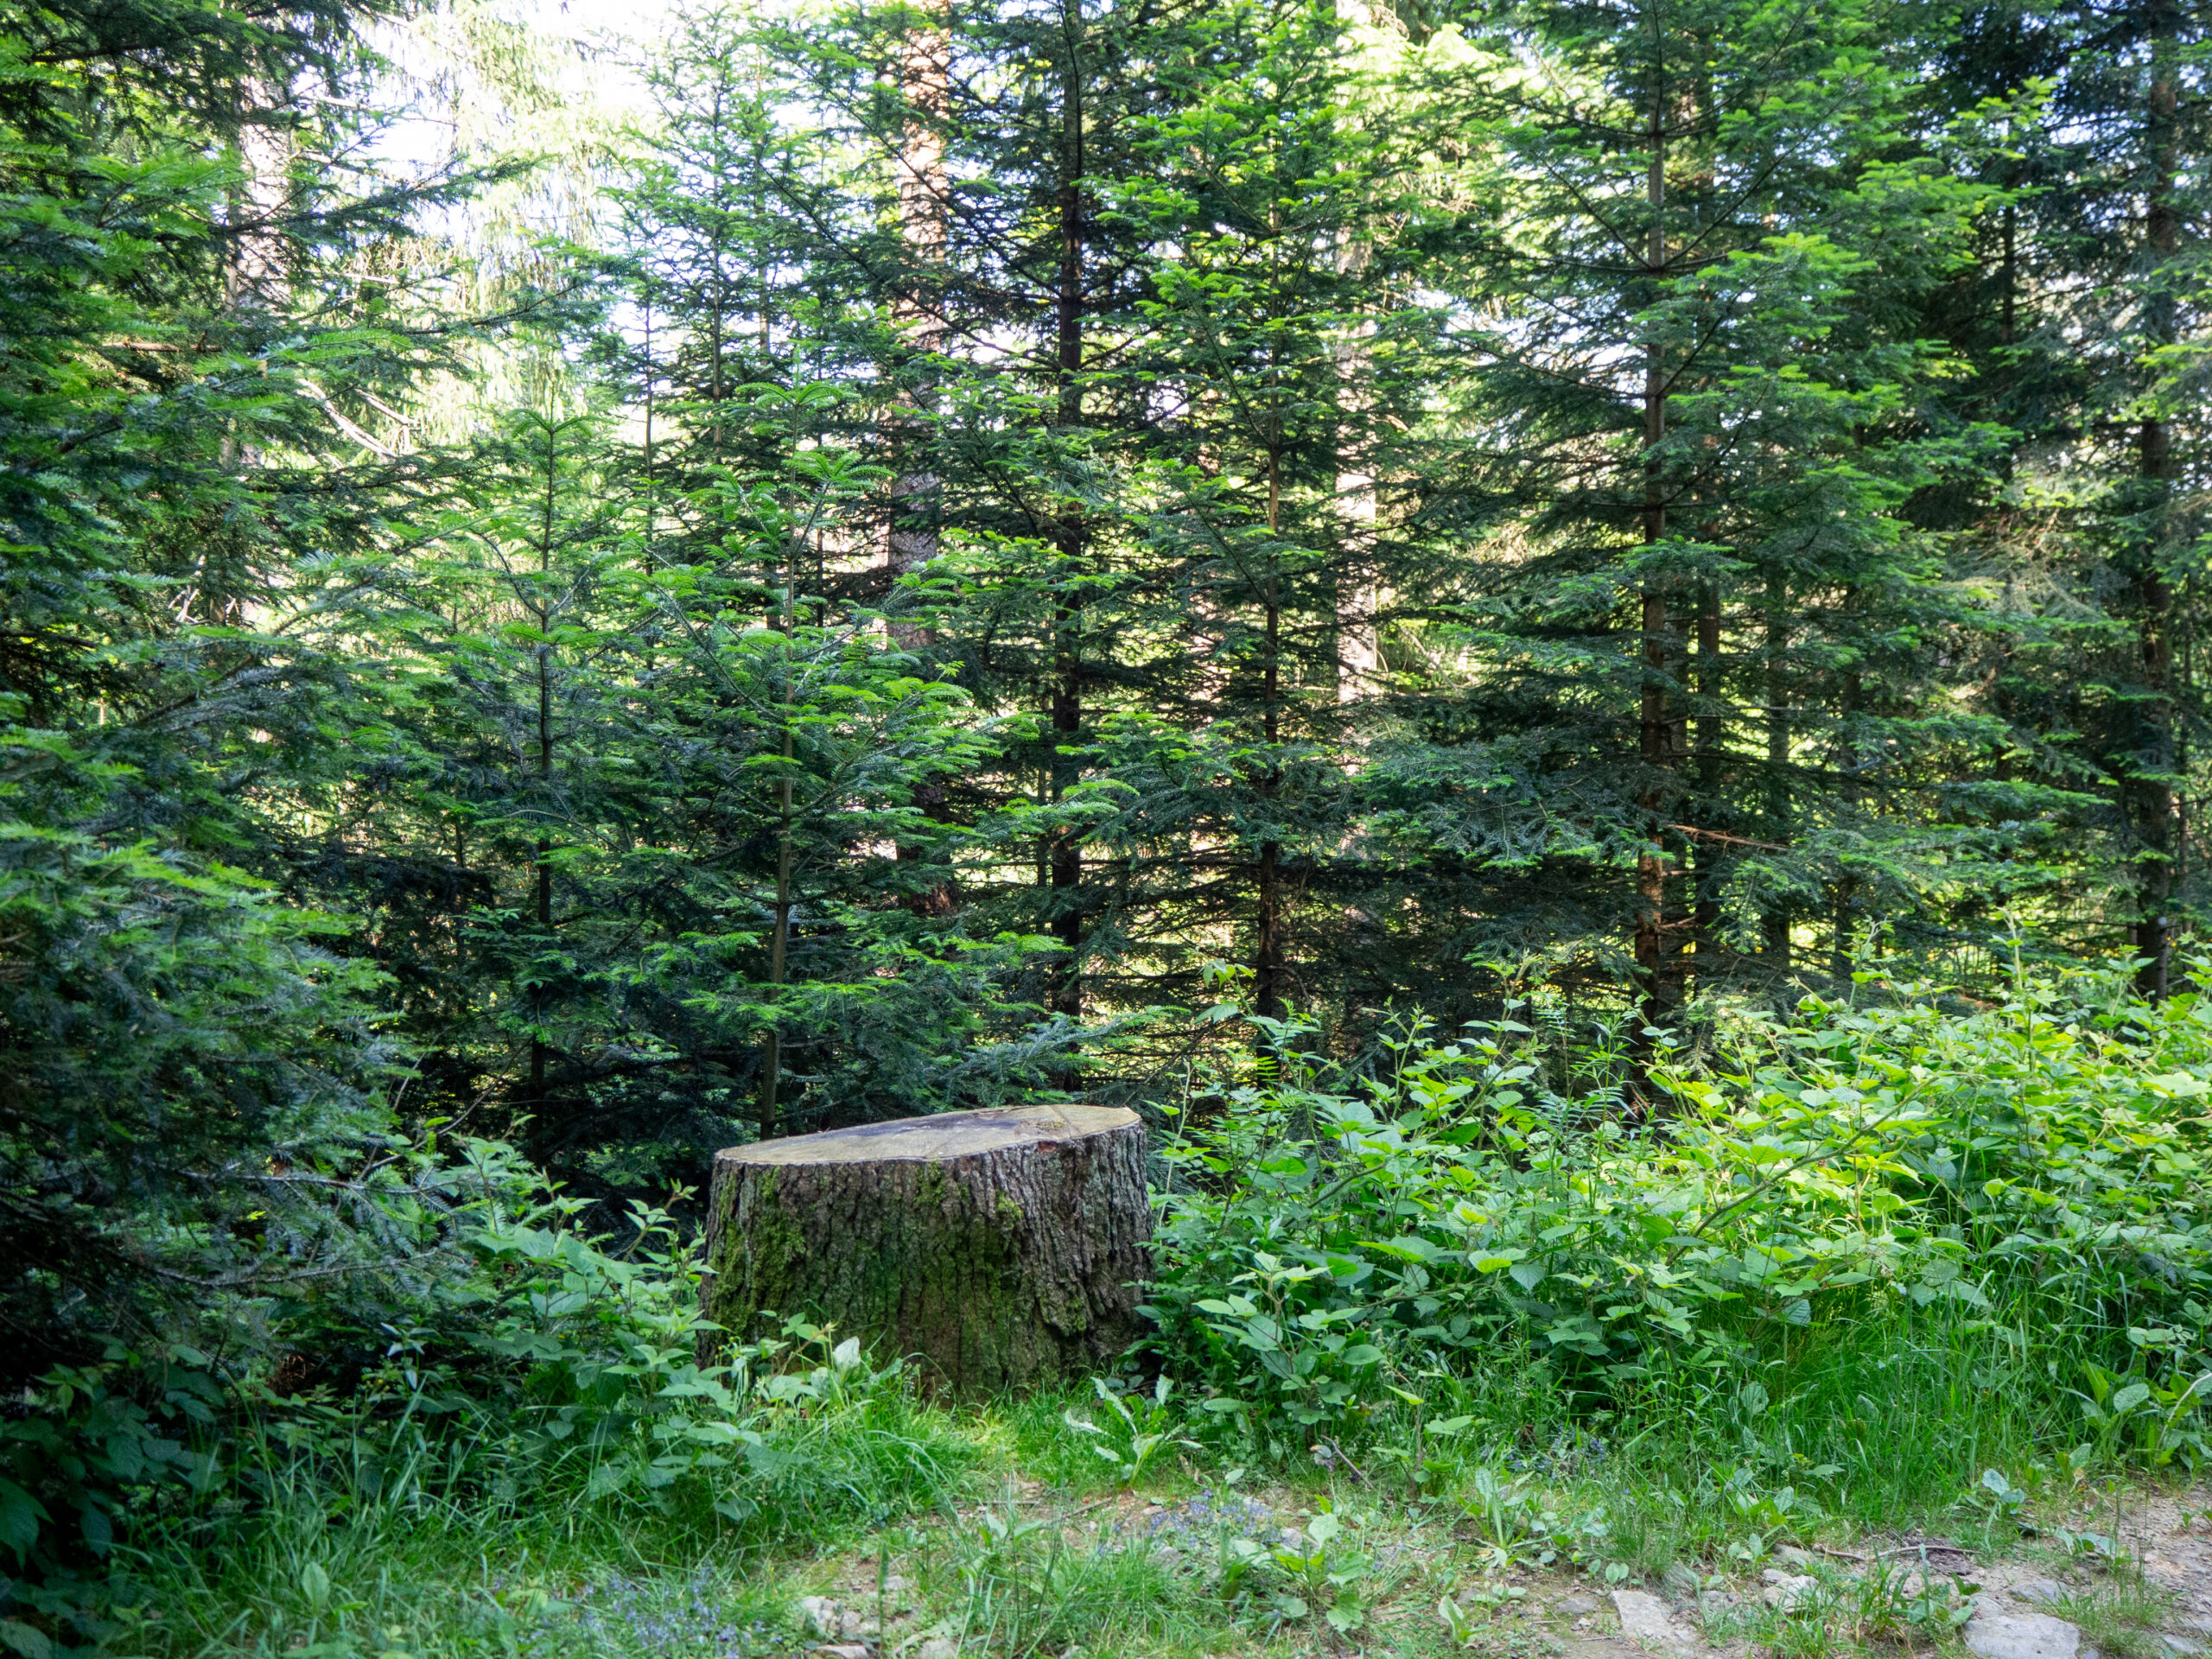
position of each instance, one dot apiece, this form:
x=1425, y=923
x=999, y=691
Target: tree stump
x=1004, y=1247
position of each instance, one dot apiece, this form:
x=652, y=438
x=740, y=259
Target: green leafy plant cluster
x=1312, y=1568
x=2034, y=1170
x=565, y=1364
x=529, y=1363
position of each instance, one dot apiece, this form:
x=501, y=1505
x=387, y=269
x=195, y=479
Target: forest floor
x=2124, y=1574
x=904, y=1531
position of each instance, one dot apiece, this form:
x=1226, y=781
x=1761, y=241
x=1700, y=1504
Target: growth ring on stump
x=1002, y=1247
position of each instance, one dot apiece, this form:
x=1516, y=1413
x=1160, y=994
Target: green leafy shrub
x=561, y=1365
x=2033, y=1171
x=528, y=1367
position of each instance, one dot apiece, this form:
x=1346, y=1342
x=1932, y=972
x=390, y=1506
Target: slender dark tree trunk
x=544, y=863
x=1358, y=649
x=1774, y=924
x=779, y=938
x=1660, y=993
x=1846, y=883
x=925, y=75
x=1067, y=652
x=772, y=1047
x=1712, y=721
x=2151, y=809
x=1268, y=975
x=652, y=503
x=254, y=275
x=2008, y=320
x=917, y=492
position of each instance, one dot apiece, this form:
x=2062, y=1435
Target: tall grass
x=347, y=1553
x=331, y=1564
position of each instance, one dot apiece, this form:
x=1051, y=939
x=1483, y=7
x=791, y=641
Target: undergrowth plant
x=1136, y=1429
x=1891, y=1207
x=1890, y=1259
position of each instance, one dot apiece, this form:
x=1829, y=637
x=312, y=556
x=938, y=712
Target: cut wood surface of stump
x=1003, y=1249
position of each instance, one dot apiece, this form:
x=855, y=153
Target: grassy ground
x=1000, y=1530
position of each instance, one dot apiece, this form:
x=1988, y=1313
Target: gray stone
x=2042, y=1591
x=2022, y=1635
x=1575, y=1605
x=2181, y=1647
x=821, y=1614
x=936, y=1647
x=1644, y=1618
x=1786, y=1590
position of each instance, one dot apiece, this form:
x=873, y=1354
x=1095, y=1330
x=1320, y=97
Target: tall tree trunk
x=917, y=492
x=2153, y=764
x=1711, y=735
x=1067, y=647
x=925, y=78
x=2008, y=320
x=1774, y=923
x=1846, y=883
x=1268, y=975
x=1358, y=651
x=544, y=861
x=1660, y=991
x=772, y=1047
x=254, y=280
x=255, y=276
x=652, y=503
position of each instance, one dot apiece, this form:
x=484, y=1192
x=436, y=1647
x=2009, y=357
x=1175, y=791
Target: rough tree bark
x=1002, y=1247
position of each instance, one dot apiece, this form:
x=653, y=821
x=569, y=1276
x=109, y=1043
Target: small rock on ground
x=1787, y=1590
x=2022, y=1635
x=821, y=1614
x=2045, y=1591
x=1644, y=1618
x=936, y=1647
x=1577, y=1605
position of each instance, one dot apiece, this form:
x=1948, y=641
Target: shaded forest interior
x=570, y=606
